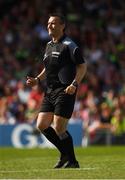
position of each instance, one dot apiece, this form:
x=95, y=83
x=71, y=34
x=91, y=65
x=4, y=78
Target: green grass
x=95, y=162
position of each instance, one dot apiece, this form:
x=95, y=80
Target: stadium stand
x=98, y=27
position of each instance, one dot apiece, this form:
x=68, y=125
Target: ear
x=63, y=25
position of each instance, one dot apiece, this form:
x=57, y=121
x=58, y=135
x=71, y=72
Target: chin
x=50, y=33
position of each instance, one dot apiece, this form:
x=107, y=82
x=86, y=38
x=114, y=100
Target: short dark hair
x=61, y=17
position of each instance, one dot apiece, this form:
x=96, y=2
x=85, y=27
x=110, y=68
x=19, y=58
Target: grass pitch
x=95, y=163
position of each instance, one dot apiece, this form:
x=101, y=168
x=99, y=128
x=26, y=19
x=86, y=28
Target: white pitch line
x=38, y=170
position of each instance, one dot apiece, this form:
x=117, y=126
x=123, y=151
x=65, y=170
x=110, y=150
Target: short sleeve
x=77, y=56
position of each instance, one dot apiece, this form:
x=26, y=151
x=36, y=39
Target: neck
x=56, y=38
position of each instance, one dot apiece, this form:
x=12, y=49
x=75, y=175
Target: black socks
x=51, y=135
x=67, y=145
x=64, y=142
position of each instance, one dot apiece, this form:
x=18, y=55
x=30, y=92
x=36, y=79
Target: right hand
x=70, y=89
x=31, y=81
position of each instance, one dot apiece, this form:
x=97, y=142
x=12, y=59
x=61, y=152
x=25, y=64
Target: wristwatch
x=74, y=83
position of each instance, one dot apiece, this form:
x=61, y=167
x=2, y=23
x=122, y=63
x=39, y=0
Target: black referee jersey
x=60, y=61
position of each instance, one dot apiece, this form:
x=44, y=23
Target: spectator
x=99, y=29
x=118, y=127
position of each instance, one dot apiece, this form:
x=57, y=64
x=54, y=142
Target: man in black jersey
x=64, y=68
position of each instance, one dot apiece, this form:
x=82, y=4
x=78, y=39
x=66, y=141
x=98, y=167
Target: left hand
x=70, y=89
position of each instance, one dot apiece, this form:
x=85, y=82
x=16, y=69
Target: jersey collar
x=60, y=40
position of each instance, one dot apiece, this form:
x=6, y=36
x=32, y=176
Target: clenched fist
x=70, y=89
x=31, y=81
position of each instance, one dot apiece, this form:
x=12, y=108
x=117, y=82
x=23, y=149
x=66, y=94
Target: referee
x=64, y=68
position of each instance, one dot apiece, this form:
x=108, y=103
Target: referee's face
x=55, y=27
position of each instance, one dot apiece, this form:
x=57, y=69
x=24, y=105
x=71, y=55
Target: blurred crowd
x=98, y=27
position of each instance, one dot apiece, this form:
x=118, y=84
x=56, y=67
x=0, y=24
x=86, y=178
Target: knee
x=59, y=129
x=60, y=125
x=43, y=121
x=41, y=126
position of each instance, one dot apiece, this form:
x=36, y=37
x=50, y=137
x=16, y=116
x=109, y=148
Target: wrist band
x=74, y=83
x=38, y=80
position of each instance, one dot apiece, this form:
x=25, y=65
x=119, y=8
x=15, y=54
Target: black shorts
x=58, y=102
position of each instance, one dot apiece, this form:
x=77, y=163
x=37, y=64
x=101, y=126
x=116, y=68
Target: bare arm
x=42, y=75
x=80, y=73
x=31, y=81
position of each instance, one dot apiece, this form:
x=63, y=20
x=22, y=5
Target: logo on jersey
x=55, y=54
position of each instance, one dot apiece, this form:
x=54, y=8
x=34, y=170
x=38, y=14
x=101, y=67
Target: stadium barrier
x=21, y=135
